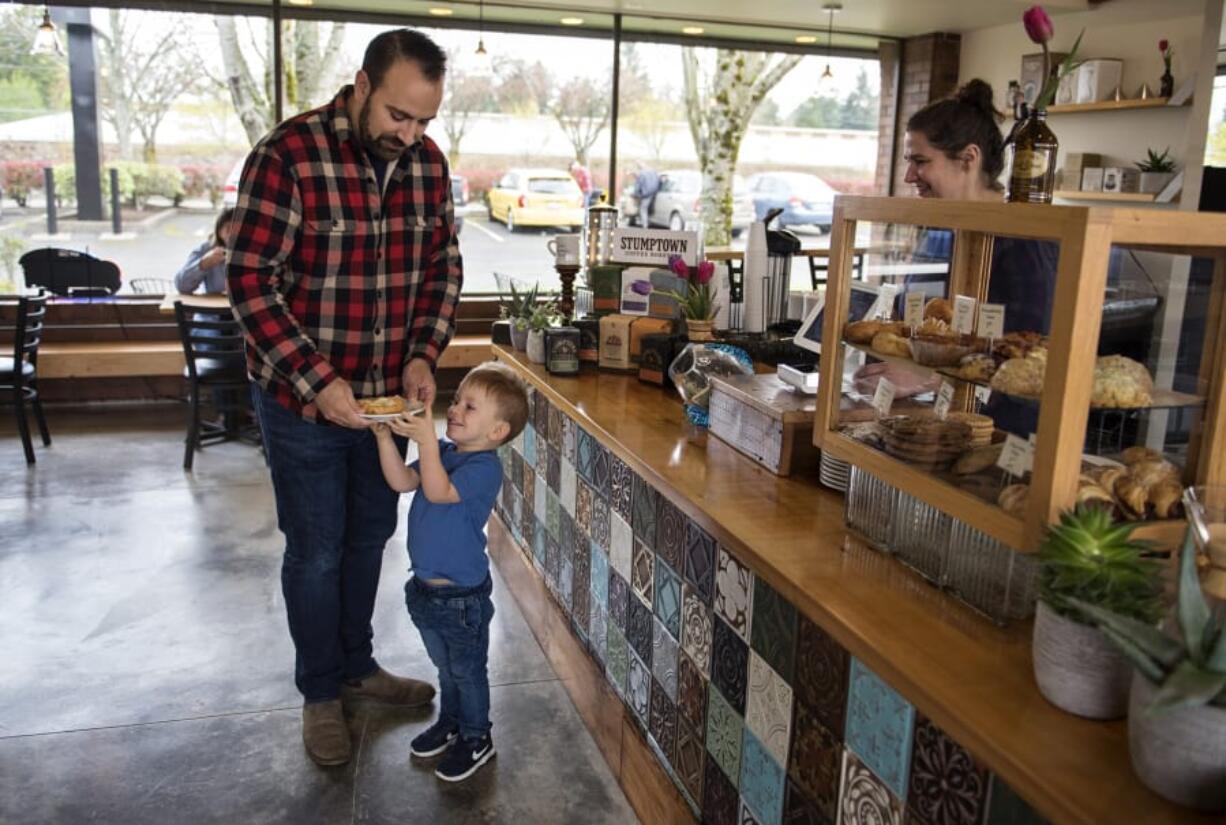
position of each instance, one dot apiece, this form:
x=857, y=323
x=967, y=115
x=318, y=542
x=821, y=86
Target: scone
x=382, y=405
x=1021, y=376
x=975, y=367
x=1121, y=383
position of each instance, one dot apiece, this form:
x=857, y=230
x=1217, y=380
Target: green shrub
x=150, y=179
x=66, y=184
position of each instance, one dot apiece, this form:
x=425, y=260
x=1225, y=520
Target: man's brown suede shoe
x=325, y=733
x=382, y=686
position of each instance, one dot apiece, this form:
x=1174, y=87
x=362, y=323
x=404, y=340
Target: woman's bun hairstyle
x=968, y=117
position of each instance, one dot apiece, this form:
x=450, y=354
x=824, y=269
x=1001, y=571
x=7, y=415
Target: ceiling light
x=46, y=38
x=484, y=64
x=301, y=2
x=442, y=12
x=571, y=21
x=692, y=29
x=831, y=10
x=805, y=38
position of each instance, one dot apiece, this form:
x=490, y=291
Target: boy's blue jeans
x=337, y=513
x=455, y=625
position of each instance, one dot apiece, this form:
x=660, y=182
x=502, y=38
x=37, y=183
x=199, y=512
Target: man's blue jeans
x=337, y=513
x=454, y=623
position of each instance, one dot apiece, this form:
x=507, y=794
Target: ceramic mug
x=565, y=249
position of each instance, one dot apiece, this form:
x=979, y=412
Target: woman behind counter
x=206, y=264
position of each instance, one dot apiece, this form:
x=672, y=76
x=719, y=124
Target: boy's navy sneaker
x=433, y=740
x=464, y=757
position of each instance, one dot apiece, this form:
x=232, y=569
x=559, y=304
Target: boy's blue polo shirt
x=447, y=541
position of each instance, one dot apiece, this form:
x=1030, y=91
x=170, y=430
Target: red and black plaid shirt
x=329, y=277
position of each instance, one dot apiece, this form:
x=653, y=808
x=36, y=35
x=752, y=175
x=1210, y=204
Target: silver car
x=678, y=201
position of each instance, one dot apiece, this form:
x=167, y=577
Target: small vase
x=699, y=330
x=1180, y=753
x=1168, y=84
x=1078, y=670
x=536, y=346
x=519, y=337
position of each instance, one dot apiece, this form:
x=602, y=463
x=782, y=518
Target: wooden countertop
x=972, y=678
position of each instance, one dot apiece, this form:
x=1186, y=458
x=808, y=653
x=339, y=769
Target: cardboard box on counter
x=605, y=281
x=615, y=343
x=646, y=326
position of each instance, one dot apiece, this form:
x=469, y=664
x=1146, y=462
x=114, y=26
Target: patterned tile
x=670, y=533
x=720, y=802
x=821, y=675
x=553, y=475
x=700, y=561
x=601, y=471
x=725, y=735
x=584, y=450
x=691, y=695
x=642, y=572
x=863, y=798
x=639, y=688
x=621, y=546
x=554, y=419
x=689, y=759
x=643, y=511
x=798, y=809
x=696, y=629
x=569, y=428
x=540, y=414
x=539, y=548
x=553, y=514
x=733, y=593
x=768, y=708
x=639, y=629
x=553, y=562
x=729, y=664
x=879, y=725
x=580, y=545
x=667, y=600
x=619, y=600
x=617, y=659
x=621, y=487
x=947, y=786
x=747, y=816
x=530, y=445
x=566, y=581
x=600, y=578
x=566, y=532
x=761, y=781
x=567, y=485
x=542, y=462
x=1007, y=808
x=540, y=495
x=773, y=633
x=581, y=588
x=663, y=722
x=517, y=471
x=598, y=632
x=664, y=659
x=815, y=761
x=600, y=521
x=528, y=486
x=583, y=507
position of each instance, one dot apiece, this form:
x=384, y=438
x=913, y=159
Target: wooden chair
x=19, y=373
x=216, y=362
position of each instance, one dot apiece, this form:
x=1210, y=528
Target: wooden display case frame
x=1085, y=236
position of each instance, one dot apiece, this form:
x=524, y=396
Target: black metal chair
x=19, y=373
x=70, y=273
x=216, y=362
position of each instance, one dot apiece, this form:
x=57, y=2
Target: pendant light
x=46, y=38
x=831, y=10
x=481, y=28
x=483, y=63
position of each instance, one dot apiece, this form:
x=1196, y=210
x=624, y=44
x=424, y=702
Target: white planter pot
x=1155, y=182
x=1077, y=669
x=536, y=346
x=1180, y=754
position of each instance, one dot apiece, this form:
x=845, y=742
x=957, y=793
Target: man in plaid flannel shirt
x=344, y=273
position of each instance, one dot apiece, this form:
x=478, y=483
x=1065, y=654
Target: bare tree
x=581, y=108
x=309, y=61
x=719, y=108
x=142, y=76
x=464, y=94
x=523, y=88
x=650, y=120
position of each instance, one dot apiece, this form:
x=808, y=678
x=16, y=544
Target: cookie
x=977, y=459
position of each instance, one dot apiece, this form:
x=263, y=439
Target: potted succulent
x=1087, y=558
x=697, y=304
x=516, y=310
x=542, y=317
x=1157, y=170
x=1177, y=710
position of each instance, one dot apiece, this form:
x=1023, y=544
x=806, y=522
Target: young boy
x=448, y=597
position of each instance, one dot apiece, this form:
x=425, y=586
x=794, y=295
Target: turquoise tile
x=553, y=521
x=617, y=661
x=761, y=781
x=585, y=455
x=638, y=687
x=600, y=577
x=566, y=574
x=725, y=734
x=598, y=630
x=538, y=543
x=667, y=601
x=530, y=445
x=879, y=727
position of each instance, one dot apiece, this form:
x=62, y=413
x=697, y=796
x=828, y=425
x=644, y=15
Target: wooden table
x=208, y=300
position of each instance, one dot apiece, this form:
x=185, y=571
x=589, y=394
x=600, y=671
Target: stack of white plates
x=834, y=472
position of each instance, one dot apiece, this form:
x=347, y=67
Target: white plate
x=389, y=416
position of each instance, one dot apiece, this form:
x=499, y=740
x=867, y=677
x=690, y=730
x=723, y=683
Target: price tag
x=1017, y=456
x=945, y=397
x=964, y=314
x=991, y=320
x=883, y=398
x=913, y=312
x=883, y=307
x=983, y=394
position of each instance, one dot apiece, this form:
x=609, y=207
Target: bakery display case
x=1070, y=355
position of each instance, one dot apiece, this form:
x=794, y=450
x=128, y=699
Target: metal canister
x=562, y=350
x=598, y=234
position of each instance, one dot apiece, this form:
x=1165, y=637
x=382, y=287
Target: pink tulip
x=1038, y=25
x=706, y=269
x=678, y=266
x=1163, y=45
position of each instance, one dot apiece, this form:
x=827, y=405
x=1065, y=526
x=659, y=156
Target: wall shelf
x=1114, y=105
x=1115, y=197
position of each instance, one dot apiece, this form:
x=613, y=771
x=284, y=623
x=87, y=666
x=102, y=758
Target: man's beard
x=385, y=147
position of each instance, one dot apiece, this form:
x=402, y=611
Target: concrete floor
x=146, y=669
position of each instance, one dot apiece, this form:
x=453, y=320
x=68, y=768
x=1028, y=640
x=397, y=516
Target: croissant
x=1149, y=473
x=1132, y=497
x=1109, y=475
x=1132, y=455
x=1167, y=499
x=1012, y=499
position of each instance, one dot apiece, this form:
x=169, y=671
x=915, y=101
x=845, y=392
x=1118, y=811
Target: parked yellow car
x=536, y=197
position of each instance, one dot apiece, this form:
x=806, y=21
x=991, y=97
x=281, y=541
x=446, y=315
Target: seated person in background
x=207, y=262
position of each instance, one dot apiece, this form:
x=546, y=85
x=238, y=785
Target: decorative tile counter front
x=757, y=714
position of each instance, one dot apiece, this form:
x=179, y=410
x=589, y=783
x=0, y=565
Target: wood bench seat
x=138, y=359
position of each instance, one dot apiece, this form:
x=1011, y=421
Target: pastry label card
x=991, y=320
x=1017, y=456
x=964, y=314
x=883, y=398
x=945, y=397
x=913, y=311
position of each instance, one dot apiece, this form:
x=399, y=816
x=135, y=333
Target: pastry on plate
x=1166, y=498
x=1018, y=344
x=978, y=459
x=1134, y=455
x=975, y=367
x=861, y=332
x=940, y=309
x=382, y=405
x=1021, y=376
x=890, y=343
x=1012, y=499
x=1121, y=383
